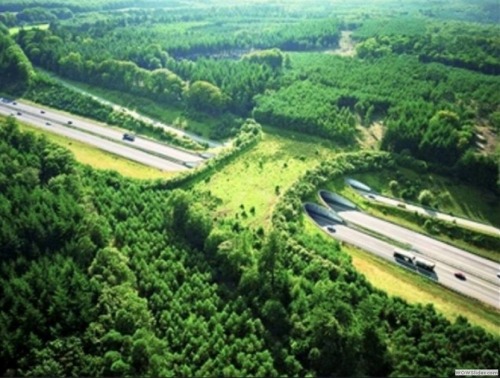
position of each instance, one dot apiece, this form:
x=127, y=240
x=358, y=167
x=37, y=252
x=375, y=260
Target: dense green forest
x=102, y=275
x=126, y=281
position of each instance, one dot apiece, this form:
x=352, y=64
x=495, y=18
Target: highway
x=444, y=274
x=432, y=213
x=101, y=143
x=148, y=146
x=169, y=128
x=423, y=245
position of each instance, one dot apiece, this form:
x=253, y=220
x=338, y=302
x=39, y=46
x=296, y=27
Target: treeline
x=422, y=342
x=430, y=111
x=46, y=91
x=308, y=108
x=95, y=261
x=15, y=68
x=465, y=45
x=78, y=6
x=145, y=283
x=229, y=85
x=35, y=15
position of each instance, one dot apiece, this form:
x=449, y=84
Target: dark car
x=129, y=137
x=48, y=123
x=460, y=276
x=42, y=111
x=330, y=229
x=18, y=113
x=70, y=122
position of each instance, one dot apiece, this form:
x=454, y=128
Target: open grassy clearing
x=339, y=186
x=416, y=289
x=256, y=179
x=99, y=159
x=171, y=115
x=13, y=31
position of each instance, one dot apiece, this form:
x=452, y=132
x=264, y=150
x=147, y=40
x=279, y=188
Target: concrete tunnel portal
x=322, y=215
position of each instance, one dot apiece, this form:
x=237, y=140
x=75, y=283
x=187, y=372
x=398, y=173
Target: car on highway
x=498, y=274
x=14, y=103
x=129, y=137
x=19, y=113
x=70, y=122
x=330, y=229
x=371, y=196
x=401, y=205
x=42, y=111
x=460, y=276
x=48, y=123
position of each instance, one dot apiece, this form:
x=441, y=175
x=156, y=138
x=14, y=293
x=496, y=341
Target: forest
x=164, y=300
x=127, y=277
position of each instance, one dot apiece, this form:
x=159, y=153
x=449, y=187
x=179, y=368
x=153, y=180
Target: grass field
x=99, y=159
x=13, y=31
x=402, y=283
x=256, y=179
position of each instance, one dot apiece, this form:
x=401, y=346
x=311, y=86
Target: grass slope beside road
x=99, y=159
x=402, y=283
x=371, y=179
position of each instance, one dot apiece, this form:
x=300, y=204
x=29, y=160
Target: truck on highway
x=404, y=255
x=425, y=264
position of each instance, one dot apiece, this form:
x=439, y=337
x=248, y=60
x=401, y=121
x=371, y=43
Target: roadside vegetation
x=98, y=159
x=414, y=288
x=216, y=271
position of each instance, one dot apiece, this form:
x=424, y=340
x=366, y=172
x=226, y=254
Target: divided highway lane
x=476, y=288
x=434, y=214
x=429, y=247
x=139, y=143
x=103, y=144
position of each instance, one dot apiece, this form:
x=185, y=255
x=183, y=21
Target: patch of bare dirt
x=347, y=47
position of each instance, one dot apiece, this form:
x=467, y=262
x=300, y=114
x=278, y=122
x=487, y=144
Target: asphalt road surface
x=434, y=214
x=146, y=145
x=429, y=248
x=101, y=143
x=179, y=132
x=444, y=274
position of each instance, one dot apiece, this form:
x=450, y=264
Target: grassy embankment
x=99, y=159
x=402, y=283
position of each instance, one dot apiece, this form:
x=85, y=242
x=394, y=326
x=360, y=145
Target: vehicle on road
x=70, y=122
x=48, y=123
x=371, y=196
x=498, y=274
x=424, y=264
x=18, y=113
x=403, y=255
x=402, y=205
x=14, y=103
x=460, y=276
x=42, y=111
x=330, y=229
x=129, y=137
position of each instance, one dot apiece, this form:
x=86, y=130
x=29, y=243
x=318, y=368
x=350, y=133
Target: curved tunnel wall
x=334, y=199
x=358, y=185
x=316, y=210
